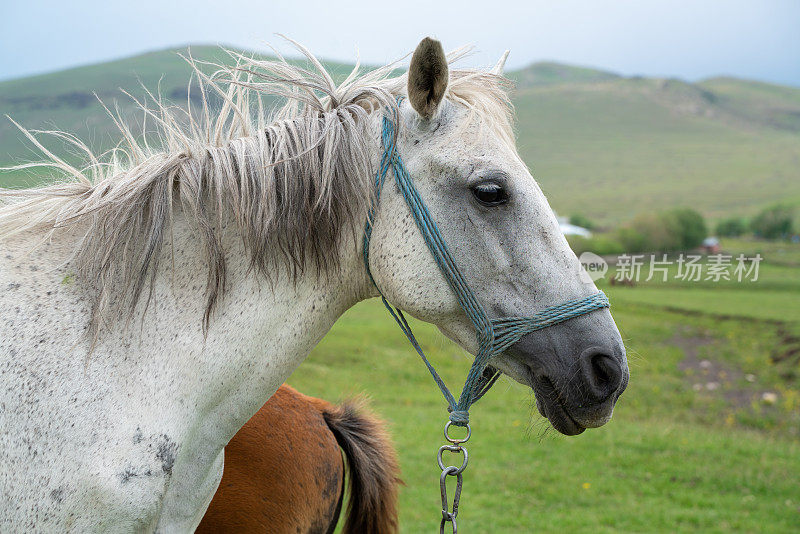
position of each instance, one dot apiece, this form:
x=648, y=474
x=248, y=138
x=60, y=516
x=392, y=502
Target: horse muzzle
x=577, y=370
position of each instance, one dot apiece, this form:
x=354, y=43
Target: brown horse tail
x=372, y=463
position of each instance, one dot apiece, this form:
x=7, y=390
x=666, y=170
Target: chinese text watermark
x=683, y=267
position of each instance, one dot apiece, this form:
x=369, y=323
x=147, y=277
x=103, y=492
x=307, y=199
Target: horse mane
x=295, y=179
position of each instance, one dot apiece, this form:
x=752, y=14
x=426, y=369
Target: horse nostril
x=602, y=373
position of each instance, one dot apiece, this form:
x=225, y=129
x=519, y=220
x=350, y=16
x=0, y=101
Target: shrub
x=582, y=221
x=667, y=231
x=733, y=227
x=649, y=232
x=690, y=226
x=773, y=222
x=602, y=245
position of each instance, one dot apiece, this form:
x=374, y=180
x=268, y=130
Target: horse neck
x=263, y=327
x=166, y=375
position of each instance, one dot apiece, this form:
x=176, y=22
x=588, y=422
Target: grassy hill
x=549, y=73
x=613, y=148
x=599, y=144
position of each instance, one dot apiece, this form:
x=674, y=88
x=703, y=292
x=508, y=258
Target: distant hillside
x=547, y=73
x=771, y=105
x=612, y=149
x=599, y=144
x=68, y=99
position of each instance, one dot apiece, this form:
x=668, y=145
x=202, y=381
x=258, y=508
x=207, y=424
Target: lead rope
x=493, y=336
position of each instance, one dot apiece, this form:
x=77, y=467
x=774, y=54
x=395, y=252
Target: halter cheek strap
x=493, y=335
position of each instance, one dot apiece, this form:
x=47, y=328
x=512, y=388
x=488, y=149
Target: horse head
x=455, y=138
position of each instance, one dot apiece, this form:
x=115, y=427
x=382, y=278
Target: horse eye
x=490, y=194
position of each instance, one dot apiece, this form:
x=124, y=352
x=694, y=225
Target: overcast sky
x=690, y=39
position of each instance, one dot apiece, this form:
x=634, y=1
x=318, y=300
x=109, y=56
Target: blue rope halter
x=494, y=335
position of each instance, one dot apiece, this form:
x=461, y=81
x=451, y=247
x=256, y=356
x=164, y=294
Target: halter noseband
x=494, y=335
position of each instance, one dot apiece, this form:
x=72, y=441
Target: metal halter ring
x=454, y=440
x=452, y=448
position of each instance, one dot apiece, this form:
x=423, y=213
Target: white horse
x=152, y=302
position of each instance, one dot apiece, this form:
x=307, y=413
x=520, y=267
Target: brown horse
x=284, y=471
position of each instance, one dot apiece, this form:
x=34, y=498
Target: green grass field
x=675, y=458
x=772, y=296
x=671, y=459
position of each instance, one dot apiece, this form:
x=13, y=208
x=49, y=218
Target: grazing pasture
x=679, y=455
x=672, y=459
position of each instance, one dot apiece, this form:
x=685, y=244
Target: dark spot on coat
x=131, y=472
x=57, y=495
x=128, y=474
x=167, y=450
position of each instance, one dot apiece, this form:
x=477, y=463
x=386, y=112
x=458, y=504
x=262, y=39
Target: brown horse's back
x=284, y=471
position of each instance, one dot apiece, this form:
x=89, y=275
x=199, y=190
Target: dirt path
x=715, y=377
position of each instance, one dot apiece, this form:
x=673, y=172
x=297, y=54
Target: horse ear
x=427, y=77
x=498, y=68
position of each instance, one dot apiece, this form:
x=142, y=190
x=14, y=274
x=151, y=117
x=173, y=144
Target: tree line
x=680, y=229
x=774, y=222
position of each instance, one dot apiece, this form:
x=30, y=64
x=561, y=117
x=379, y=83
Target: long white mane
x=295, y=179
